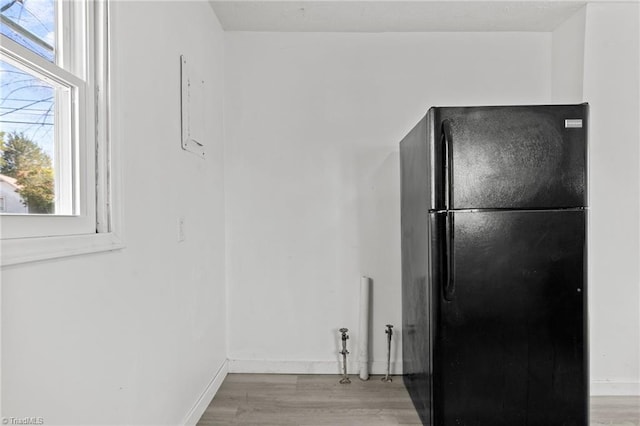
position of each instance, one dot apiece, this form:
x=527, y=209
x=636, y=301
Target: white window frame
x=95, y=224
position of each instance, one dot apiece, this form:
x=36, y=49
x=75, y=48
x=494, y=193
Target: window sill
x=25, y=250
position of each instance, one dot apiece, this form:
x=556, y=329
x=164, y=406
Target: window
x=53, y=122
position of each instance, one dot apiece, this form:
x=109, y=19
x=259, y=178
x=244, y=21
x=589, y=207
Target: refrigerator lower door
x=510, y=343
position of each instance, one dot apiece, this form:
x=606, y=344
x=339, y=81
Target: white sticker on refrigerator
x=573, y=123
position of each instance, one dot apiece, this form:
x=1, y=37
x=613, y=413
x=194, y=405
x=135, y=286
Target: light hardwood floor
x=273, y=399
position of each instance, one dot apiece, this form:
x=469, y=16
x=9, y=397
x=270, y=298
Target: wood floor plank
x=319, y=400
x=615, y=411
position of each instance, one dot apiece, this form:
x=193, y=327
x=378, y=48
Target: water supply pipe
x=389, y=332
x=344, y=352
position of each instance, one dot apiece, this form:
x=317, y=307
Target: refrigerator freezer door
x=510, y=345
x=513, y=157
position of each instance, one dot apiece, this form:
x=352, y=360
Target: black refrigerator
x=494, y=266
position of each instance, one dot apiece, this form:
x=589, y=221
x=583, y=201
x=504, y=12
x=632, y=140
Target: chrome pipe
x=389, y=332
x=345, y=379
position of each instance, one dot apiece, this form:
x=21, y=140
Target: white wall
x=134, y=336
x=312, y=127
x=611, y=86
x=567, y=60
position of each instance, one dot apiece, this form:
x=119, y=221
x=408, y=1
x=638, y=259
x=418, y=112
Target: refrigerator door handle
x=448, y=166
x=448, y=282
x=448, y=285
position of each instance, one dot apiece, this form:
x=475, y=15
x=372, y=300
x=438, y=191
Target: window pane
x=30, y=165
x=30, y=23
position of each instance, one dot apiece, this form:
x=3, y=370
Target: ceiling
x=393, y=16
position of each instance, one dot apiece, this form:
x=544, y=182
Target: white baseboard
x=305, y=367
x=608, y=388
x=192, y=417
